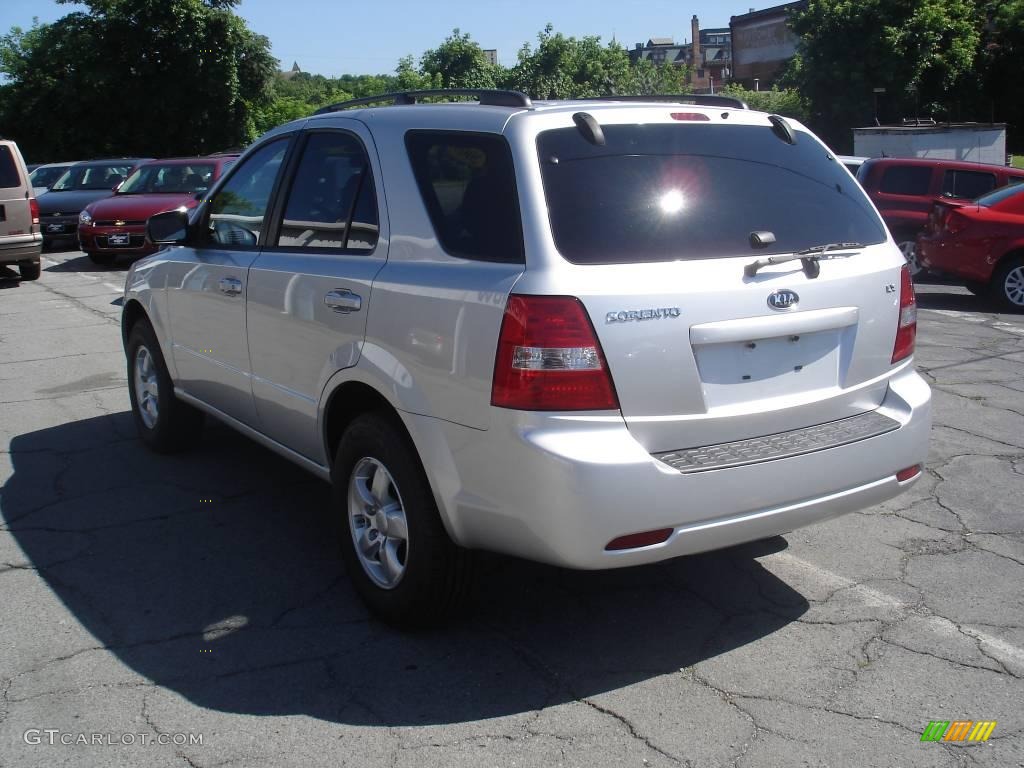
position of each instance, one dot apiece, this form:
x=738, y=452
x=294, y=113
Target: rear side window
x=967, y=184
x=9, y=176
x=662, y=192
x=332, y=203
x=468, y=186
x=906, y=180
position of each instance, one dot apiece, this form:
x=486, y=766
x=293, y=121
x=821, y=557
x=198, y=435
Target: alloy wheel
x=909, y=250
x=1013, y=286
x=147, y=387
x=378, y=523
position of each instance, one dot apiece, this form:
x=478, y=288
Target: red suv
x=980, y=243
x=904, y=190
x=116, y=226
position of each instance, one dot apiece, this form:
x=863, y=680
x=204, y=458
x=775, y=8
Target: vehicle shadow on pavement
x=9, y=278
x=960, y=302
x=82, y=263
x=212, y=574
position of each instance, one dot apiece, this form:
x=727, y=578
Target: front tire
x=165, y=423
x=30, y=271
x=1008, y=284
x=400, y=558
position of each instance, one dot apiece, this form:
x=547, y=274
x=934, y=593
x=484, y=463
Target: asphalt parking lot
x=166, y=598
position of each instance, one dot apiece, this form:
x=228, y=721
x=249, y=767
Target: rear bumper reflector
x=910, y=472
x=782, y=445
x=637, y=540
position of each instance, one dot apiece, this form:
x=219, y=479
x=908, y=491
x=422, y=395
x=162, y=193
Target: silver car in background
x=594, y=333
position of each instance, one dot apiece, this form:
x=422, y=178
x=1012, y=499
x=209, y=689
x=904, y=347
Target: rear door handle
x=230, y=286
x=344, y=301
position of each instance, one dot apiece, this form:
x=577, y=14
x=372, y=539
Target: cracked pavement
x=131, y=607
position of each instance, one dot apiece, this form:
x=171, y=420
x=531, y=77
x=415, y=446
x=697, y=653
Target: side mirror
x=168, y=228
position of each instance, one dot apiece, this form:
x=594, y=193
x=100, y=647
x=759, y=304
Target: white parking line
x=968, y=316
x=995, y=646
x=115, y=288
x=1008, y=327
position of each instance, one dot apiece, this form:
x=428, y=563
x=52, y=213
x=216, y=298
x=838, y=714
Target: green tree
x=920, y=51
x=458, y=62
x=408, y=78
x=134, y=77
x=998, y=85
x=787, y=102
x=563, y=67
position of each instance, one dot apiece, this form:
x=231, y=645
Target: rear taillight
x=954, y=222
x=906, y=331
x=33, y=207
x=549, y=358
x=697, y=117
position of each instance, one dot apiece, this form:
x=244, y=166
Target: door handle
x=344, y=301
x=230, y=286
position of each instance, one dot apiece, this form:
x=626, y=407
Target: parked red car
x=904, y=190
x=980, y=243
x=116, y=226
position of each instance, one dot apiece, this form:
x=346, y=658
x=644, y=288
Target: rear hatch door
x=659, y=224
x=15, y=215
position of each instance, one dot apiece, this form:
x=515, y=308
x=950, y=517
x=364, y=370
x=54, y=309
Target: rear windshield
x=8, y=170
x=997, y=196
x=665, y=192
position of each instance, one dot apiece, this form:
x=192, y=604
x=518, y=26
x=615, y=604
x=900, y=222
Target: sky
x=334, y=37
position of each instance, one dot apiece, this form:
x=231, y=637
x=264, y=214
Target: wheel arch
x=354, y=391
x=132, y=312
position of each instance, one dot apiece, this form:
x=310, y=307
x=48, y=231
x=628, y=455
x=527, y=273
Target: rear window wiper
x=809, y=256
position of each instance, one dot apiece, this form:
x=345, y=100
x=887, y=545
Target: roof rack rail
x=487, y=96
x=697, y=99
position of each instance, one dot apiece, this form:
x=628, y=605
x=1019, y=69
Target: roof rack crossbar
x=486, y=96
x=697, y=99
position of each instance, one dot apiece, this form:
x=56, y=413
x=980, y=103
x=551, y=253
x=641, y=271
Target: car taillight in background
x=906, y=330
x=954, y=222
x=549, y=358
x=33, y=207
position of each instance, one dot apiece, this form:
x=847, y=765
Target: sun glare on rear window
x=667, y=191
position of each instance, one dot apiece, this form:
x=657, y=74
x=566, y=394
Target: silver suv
x=591, y=333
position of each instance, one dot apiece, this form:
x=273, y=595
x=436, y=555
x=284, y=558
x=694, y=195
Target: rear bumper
x=559, y=487
x=950, y=257
x=27, y=252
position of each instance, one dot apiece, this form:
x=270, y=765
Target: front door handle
x=344, y=301
x=230, y=286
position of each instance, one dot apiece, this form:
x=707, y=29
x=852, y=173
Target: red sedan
x=980, y=243
x=116, y=226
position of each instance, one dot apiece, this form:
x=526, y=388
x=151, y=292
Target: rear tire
x=1007, y=286
x=165, y=423
x=30, y=271
x=399, y=556
x=102, y=259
